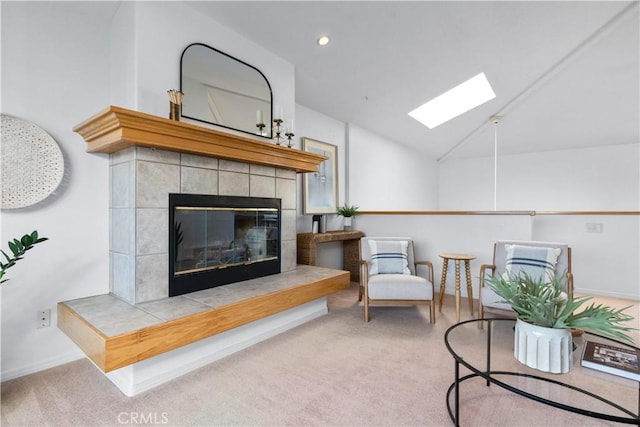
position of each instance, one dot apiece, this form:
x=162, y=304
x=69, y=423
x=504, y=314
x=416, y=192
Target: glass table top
x=582, y=390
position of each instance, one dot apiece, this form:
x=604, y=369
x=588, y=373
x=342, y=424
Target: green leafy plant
x=543, y=303
x=348, y=211
x=18, y=249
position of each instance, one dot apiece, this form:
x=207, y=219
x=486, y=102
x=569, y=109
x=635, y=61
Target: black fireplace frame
x=191, y=282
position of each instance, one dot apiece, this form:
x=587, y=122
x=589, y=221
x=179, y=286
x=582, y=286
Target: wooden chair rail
x=531, y=213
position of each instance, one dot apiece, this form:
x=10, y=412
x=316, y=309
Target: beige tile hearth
x=112, y=316
x=114, y=333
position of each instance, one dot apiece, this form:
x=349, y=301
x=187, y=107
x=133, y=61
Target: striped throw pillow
x=537, y=262
x=388, y=257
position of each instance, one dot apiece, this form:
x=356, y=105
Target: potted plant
x=18, y=249
x=546, y=315
x=348, y=212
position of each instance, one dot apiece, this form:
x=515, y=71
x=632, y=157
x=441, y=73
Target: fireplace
x=217, y=240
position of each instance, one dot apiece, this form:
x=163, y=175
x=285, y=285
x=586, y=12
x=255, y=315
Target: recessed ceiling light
x=323, y=40
x=454, y=102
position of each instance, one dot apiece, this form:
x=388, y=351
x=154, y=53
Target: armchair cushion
x=388, y=257
x=492, y=300
x=399, y=287
x=537, y=262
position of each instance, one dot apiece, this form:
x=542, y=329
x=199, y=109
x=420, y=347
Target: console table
x=307, y=243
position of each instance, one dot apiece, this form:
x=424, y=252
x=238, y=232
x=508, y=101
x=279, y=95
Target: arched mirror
x=224, y=91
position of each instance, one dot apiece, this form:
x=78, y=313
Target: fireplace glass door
x=210, y=238
x=218, y=240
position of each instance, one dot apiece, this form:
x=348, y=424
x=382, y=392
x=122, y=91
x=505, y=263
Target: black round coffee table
x=487, y=352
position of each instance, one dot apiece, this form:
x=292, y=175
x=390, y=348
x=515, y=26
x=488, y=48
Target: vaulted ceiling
x=566, y=74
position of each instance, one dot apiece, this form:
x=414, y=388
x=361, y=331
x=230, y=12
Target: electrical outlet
x=44, y=318
x=593, y=227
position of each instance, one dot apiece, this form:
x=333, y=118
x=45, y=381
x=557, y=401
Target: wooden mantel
x=116, y=128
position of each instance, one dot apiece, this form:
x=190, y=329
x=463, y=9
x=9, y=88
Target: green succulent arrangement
x=543, y=303
x=18, y=249
x=348, y=210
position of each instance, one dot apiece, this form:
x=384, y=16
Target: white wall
x=61, y=63
x=123, y=76
x=604, y=263
x=387, y=176
x=599, y=178
x=54, y=74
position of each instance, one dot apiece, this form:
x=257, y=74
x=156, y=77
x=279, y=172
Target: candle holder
x=278, y=122
x=261, y=127
x=289, y=135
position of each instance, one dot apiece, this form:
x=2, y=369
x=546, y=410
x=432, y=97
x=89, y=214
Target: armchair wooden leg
x=480, y=313
x=366, y=310
x=432, y=309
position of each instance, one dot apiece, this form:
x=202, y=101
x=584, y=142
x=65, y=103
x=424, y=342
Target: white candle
x=259, y=117
x=278, y=112
x=290, y=126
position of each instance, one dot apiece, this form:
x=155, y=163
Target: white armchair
x=389, y=275
x=516, y=256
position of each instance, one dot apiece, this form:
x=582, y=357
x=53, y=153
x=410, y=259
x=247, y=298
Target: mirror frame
x=269, y=132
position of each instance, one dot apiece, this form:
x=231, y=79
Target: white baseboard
x=144, y=375
x=605, y=293
x=42, y=365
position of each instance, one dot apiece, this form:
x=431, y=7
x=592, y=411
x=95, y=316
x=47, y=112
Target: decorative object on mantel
x=260, y=122
x=278, y=120
x=320, y=189
x=280, y=128
x=289, y=134
x=18, y=249
x=175, y=104
x=224, y=91
x=546, y=316
x=31, y=162
x=348, y=212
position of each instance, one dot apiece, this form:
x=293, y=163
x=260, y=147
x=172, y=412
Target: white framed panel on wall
x=320, y=189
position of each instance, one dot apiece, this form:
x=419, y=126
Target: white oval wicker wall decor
x=31, y=166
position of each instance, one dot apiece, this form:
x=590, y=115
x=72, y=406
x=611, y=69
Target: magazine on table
x=614, y=360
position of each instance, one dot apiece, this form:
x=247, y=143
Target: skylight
x=454, y=102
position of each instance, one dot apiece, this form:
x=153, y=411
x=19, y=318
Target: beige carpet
x=333, y=371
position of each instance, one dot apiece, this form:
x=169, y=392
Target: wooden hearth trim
x=116, y=128
x=110, y=353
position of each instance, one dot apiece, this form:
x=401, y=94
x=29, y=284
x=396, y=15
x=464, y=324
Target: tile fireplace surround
x=160, y=337
x=141, y=180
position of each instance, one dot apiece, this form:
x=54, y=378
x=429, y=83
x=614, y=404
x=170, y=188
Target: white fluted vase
x=347, y=223
x=544, y=349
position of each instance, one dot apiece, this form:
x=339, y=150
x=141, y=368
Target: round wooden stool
x=457, y=258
